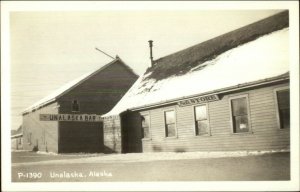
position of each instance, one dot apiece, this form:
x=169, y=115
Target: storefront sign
x=197, y=100
x=71, y=117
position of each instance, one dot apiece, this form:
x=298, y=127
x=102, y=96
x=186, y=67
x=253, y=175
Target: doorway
x=75, y=137
x=131, y=132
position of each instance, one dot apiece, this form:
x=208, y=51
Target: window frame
x=150, y=136
x=72, y=106
x=165, y=122
x=207, y=116
x=277, y=107
x=248, y=113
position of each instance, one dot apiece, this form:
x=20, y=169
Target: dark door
x=131, y=132
x=80, y=137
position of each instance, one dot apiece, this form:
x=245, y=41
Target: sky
x=49, y=49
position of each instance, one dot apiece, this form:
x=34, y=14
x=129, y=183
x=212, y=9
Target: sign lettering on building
x=197, y=100
x=71, y=117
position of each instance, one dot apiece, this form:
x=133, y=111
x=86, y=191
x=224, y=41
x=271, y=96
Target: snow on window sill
x=203, y=135
x=243, y=133
x=174, y=137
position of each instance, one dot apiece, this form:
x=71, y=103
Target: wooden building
x=17, y=139
x=68, y=120
x=225, y=94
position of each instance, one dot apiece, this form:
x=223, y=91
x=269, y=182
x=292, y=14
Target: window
x=145, y=126
x=201, y=120
x=283, y=104
x=170, y=123
x=240, y=119
x=75, y=106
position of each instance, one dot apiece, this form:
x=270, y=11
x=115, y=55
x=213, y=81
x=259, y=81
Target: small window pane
x=75, y=106
x=170, y=117
x=170, y=123
x=239, y=106
x=284, y=118
x=201, y=112
x=171, y=130
x=240, y=115
x=202, y=127
x=145, y=126
x=241, y=124
x=283, y=99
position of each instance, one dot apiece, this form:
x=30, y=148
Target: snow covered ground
x=145, y=157
x=19, y=150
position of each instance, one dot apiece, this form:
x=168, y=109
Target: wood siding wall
x=17, y=143
x=122, y=134
x=97, y=95
x=265, y=133
x=112, y=135
x=32, y=125
x=100, y=93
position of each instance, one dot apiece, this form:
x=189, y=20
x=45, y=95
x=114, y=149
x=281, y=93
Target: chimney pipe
x=151, y=56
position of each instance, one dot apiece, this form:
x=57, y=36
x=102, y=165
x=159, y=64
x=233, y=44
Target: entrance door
x=131, y=132
x=80, y=137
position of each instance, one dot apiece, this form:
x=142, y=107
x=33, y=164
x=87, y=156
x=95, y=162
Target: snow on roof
x=60, y=91
x=52, y=97
x=17, y=133
x=182, y=61
x=262, y=58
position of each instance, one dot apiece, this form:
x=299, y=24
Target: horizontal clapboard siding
x=33, y=128
x=264, y=134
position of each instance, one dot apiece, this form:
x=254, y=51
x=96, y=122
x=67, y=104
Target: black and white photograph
x=177, y=96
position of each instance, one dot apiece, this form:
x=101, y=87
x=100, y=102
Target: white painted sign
x=197, y=100
x=71, y=117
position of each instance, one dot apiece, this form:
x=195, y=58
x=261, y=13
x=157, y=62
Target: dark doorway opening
x=83, y=137
x=131, y=132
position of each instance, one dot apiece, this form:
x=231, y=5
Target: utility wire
x=104, y=53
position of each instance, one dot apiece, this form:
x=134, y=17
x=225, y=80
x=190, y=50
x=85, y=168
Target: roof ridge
x=45, y=100
x=182, y=61
x=127, y=67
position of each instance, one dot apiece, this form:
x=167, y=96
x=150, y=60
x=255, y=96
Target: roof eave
x=38, y=106
x=17, y=135
x=218, y=91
